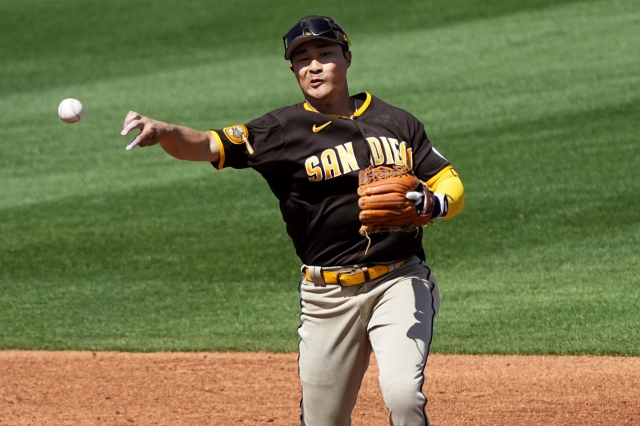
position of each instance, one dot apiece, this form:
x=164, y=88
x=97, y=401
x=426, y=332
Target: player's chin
x=321, y=92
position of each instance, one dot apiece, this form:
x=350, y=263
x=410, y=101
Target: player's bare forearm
x=180, y=142
x=185, y=143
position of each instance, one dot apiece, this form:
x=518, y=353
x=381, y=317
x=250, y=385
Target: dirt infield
x=85, y=388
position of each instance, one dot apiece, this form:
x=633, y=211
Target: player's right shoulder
x=286, y=110
x=285, y=116
x=276, y=114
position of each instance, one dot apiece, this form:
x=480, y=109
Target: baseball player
x=358, y=293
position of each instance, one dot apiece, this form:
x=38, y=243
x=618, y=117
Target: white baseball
x=70, y=110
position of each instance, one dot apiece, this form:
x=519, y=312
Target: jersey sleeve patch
x=238, y=134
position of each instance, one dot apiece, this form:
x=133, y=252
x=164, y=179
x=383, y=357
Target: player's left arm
x=437, y=173
x=449, y=191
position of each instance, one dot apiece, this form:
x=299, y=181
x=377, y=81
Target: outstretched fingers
x=135, y=124
x=131, y=116
x=133, y=121
x=142, y=136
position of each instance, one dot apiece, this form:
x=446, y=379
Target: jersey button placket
x=363, y=132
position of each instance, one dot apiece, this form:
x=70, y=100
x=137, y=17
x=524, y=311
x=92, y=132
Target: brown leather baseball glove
x=393, y=199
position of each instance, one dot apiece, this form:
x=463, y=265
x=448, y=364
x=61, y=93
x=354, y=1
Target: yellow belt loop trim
x=377, y=271
x=360, y=277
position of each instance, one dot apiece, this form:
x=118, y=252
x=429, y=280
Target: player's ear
x=347, y=55
x=291, y=67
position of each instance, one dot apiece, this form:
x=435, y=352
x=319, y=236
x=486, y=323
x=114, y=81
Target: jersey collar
x=357, y=113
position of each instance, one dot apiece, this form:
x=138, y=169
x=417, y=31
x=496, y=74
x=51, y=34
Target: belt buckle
x=352, y=273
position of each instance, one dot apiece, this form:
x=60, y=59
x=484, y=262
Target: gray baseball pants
x=393, y=316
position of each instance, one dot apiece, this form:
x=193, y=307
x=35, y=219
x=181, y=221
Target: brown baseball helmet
x=314, y=26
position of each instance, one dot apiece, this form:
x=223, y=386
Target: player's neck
x=342, y=105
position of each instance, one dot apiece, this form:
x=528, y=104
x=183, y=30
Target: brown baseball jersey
x=311, y=163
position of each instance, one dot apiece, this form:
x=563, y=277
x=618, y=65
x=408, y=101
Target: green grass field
x=536, y=104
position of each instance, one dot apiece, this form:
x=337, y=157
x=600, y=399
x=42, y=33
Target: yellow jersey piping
x=364, y=106
x=357, y=113
x=219, y=141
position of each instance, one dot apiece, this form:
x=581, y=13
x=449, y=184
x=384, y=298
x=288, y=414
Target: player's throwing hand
x=151, y=131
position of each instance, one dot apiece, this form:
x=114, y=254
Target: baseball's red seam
x=74, y=111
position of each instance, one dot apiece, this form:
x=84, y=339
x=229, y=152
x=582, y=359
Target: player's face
x=321, y=69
